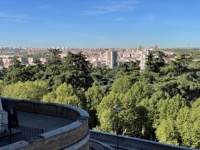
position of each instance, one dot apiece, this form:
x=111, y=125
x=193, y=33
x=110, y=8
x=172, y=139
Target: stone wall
x=61, y=138
x=57, y=110
x=133, y=143
x=99, y=146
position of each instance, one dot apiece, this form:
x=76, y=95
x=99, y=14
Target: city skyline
x=113, y=23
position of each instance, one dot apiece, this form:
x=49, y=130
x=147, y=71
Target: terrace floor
x=41, y=121
x=30, y=125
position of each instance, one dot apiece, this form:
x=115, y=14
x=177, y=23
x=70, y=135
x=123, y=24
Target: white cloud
x=13, y=16
x=122, y=5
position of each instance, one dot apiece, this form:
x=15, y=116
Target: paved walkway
x=41, y=121
x=36, y=122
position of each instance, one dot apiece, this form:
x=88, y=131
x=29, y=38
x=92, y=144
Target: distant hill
x=195, y=52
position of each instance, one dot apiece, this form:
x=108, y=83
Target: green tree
x=125, y=96
x=94, y=95
x=18, y=72
x=106, y=113
x=64, y=94
x=167, y=132
x=15, y=72
x=105, y=110
x=188, y=121
x=27, y=90
x=76, y=70
x=102, y=77
x=150, y=63
x=37, y=70
x=153, y=115
x=52, y=68
x=125, y=69
x=1, y=86
x=135, y=116
x=169, y=108
x=3, y=72
x=179, y=66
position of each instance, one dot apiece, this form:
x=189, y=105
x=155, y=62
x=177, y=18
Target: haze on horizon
x=105, y=23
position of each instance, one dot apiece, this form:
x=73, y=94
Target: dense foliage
x=195, y=52
x=161, y=103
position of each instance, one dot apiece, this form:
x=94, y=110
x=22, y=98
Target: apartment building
x=111, y=58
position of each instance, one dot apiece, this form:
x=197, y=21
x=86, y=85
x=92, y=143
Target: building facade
x=111, y=58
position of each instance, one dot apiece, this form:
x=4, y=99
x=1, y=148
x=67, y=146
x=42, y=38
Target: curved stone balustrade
x=126, y=142
x=74, y=135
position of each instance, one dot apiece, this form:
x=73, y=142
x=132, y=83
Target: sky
x=99, y=23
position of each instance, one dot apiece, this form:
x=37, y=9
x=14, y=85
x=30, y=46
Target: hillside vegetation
x=161, y=103
x=195, y=52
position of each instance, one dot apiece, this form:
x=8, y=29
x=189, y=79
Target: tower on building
x=144, y=54
x=111, y=58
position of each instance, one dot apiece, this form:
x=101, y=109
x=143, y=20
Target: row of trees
x=160, y=103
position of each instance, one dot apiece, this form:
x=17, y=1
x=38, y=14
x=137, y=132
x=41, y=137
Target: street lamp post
x=117, y=110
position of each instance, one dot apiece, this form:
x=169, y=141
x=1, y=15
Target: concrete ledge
x=79, y=144
x=125, y=141
x=99, y=145
x=14, y=146
x=60, y=141
x=61, y=130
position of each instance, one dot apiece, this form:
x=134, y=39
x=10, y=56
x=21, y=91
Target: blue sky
x=99, y=23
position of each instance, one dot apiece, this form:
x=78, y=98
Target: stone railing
x=99, y=146
x=132, y=143
x=74, y=135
